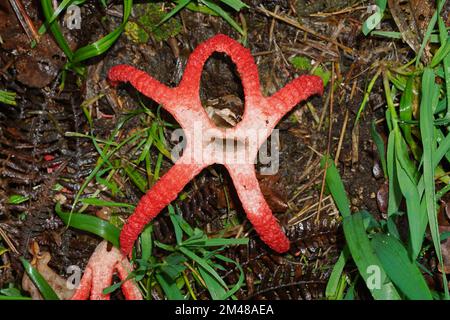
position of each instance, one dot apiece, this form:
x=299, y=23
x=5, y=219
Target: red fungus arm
x=129, y=288
x=156, y=199
x=143, y=82
x=99, y=273
x=245, y=65
x=256, y=207
x=289, y=96
x=84, y=289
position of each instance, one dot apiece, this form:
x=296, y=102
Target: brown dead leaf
x=272, y=192
x=40, y=262
x=412, y=18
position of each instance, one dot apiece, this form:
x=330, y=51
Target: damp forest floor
x=55, y=136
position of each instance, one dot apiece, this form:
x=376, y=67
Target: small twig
x=335, y=13
x=341, y=138
x=25, y=20
x=294, y=23
x=8, y=241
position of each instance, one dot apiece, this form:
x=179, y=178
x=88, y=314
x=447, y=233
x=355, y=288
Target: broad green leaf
x=169, y=287
x=91, y=224
x=401, y=270
x=369, y=266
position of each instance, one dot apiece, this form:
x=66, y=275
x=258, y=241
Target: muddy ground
x=36, y=153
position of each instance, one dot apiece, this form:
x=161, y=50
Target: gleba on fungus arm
x=183, y=102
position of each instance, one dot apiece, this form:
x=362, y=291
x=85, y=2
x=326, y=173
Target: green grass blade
x=216, y=290
x=395, y=194
x=241, y=279
x=401, y=270
x=8, y=97
x=100, y=46
x=104, y=203
x=334, y=282
x=336, y=187
x=203, y=263
x=44, y=288
x=91, y=224
x=181, y=4
x=223, y=14
x=443, y=36
x=14, y=298
x=176, y=225
x=379, y=143
x=47, y=8
x=216, y=242
x=63, y=5
x=406, y=107
x=441, y=54
x=237, y=5
x=366, y=259
x=169, y=287
x=429, y=30
x=367, y=96
x=430, y=93
x=416, y=217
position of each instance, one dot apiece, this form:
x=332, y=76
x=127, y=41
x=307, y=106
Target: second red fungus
x=99, y=272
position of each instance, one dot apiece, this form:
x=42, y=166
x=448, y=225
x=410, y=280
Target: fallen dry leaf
x=40, y=262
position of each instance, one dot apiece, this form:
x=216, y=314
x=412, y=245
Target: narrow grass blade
x=237, y=5
x=8, y=97
x=216, y=290
x=43, y=286
x=333, y=285
x=379, y=143
x=104, y=203
x=216, y=242
x=336, y=187
x=430, y=93
x=63, y=5
x=429, y=30
x=241, y=279
x=223, y=14
x=406, y=107
x=47, y=8
x=203, y=263
x=395, y=194
x=181, y=4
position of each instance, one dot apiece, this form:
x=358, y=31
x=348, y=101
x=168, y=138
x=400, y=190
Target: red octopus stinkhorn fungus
x=99, y=273
x=183, y=102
